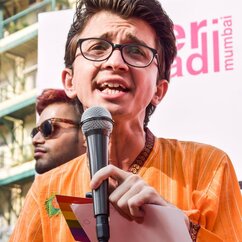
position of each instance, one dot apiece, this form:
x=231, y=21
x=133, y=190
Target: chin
x=42, y=169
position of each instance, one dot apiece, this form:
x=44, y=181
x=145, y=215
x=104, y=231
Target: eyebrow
x=129, y=37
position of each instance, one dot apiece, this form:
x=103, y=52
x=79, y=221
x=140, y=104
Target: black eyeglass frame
x=51, y=122
x=120, y=48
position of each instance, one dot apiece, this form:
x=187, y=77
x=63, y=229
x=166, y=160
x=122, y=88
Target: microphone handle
x=102, y=228
x=97, y=143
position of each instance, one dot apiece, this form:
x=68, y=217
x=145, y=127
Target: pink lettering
x=195, y=27
x=216, y=62
x=176, y=68
x=203, y=57
x=180, y=35
x=199, y=49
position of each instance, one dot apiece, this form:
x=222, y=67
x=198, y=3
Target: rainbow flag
x=75, y=227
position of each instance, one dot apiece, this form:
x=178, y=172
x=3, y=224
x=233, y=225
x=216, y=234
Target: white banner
x=203, y=101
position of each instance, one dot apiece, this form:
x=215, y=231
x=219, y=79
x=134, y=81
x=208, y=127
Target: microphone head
x=96, y=118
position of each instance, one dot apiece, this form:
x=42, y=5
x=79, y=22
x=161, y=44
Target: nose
x=115, y=61
x=38, y=139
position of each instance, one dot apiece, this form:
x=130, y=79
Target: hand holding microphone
x=131, y=192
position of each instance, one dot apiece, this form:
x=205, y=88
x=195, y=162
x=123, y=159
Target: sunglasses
x=47, y=128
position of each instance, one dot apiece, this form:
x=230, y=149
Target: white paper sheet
x=161, y=224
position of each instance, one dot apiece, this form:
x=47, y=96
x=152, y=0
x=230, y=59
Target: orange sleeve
x=218, y=206
x=28, y=227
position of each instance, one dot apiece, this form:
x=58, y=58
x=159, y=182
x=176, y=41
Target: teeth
x=113, y=85
x=110, y=91
x=116, y=85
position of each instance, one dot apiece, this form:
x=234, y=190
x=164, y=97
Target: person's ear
x=161, y=89
x=67, y=81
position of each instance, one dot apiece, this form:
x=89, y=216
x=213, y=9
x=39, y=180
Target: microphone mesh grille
x=96, y=118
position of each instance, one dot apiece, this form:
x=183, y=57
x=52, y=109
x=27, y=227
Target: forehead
x=58, y=110
x=113, y=27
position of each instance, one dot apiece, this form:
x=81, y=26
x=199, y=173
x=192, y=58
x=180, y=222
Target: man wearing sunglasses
x=57, y=137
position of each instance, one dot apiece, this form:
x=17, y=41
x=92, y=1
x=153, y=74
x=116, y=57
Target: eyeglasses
x=48, y=127
x=136, y=55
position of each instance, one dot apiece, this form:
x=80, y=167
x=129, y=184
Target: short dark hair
x=150, y=11
x=50, y=96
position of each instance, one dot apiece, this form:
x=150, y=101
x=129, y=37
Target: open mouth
x=112, y=88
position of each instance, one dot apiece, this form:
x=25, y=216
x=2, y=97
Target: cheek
x=84, y=74
x=146, y=80
x=81, y=86
x=148, y=75
x=83, y=68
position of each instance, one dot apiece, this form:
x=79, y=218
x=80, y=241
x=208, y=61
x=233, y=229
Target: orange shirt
x=197, y=178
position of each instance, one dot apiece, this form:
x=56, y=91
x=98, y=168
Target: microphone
x=97, y=125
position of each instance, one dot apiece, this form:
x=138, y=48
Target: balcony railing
x=25, y=17
x=19, y=85
x=15, y=154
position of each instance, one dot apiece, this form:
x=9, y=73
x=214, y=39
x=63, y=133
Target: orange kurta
x=197, y=178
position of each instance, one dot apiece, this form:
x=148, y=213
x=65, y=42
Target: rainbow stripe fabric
x=75, y=227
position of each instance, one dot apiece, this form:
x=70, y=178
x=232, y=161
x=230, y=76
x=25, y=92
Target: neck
x=125, y=146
